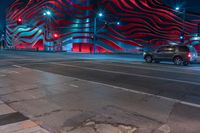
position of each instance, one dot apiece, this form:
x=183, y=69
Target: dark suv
x=179, y=54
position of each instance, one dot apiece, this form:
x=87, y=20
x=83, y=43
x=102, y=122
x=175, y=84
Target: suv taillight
x=189, y=55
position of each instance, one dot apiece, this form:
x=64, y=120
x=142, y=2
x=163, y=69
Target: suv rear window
x=183, y=49
x=192, y=49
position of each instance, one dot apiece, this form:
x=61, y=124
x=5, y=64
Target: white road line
x=72, y=85
x=141, y=63
x=13, y=72
x=17, y=66
x=141, y=93
x=129, y=90
x=163, y=65
x=131, y=74
x=141, y=67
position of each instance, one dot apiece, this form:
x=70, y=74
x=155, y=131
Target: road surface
x=64, y=92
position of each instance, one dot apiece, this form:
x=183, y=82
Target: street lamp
x=181, y=37
x=177, y=8
x=100, y=15
x=48, y=13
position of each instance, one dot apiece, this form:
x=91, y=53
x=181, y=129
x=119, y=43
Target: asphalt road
x=164, y=94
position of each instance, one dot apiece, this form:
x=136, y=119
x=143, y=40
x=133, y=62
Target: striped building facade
x=70, y=25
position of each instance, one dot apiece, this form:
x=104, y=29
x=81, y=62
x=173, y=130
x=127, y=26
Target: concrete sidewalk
x=12, y=121
x=63, y=104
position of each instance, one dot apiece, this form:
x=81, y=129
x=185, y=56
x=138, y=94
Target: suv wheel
x=148, y=59
x=178, y=60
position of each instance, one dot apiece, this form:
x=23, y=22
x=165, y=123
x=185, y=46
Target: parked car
x=179, y=54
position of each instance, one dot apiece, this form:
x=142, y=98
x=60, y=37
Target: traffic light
x=106, y=24
x=19, y=21
x=55, y=35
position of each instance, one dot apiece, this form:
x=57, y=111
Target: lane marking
x=72, y=85
x=106, y=60
x=17, y=66
x=13, y=72
x=142, y=67
x=127, y=90
x=157, y=69
x=131, y=74
x=162, y=65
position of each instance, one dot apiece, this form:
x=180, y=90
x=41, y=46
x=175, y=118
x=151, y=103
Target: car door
x=160, y=53
x=168, y=53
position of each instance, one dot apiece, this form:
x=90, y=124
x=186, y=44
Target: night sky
x=190, y=5
x=3, y=6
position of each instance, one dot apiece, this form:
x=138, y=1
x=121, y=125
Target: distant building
x=69, y=25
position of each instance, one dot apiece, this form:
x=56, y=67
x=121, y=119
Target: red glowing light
x=55, y=35
x=19, y=20
x=189, y=55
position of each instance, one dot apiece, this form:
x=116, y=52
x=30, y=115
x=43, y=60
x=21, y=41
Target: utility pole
x=95, y=33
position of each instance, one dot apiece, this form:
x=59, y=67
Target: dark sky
x=3, y=6
x=190, y=5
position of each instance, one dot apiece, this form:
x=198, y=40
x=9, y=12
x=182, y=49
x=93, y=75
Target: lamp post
x=95, y=30
x=183, y=11
x=47, y=14
x=100, y=15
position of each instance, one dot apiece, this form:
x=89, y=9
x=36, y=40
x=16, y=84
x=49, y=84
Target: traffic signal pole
x=198, y=29
x=95, y=33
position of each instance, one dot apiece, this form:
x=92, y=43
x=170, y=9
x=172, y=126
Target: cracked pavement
x=55, y=100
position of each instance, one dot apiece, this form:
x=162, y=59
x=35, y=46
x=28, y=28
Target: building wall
x=143, y=23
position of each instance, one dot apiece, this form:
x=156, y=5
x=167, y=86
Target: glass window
x=162, y=49
x=183, y=49
x=192, y=49
x=169, y=49
x=166, y=49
